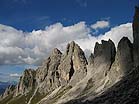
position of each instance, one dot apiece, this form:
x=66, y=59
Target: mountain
x=109, y=76
x=4, y=85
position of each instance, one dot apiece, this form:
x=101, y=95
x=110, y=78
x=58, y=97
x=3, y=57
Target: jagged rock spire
x=48, y=74
x=136, y=35
x=27, y=82
x=73, y=64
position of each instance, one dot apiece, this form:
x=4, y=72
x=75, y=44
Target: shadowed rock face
x=123, y=92
x=125, y=55
x=73, y=63
x=104, y=55
x=123, y=63
x=136, y=35
x=106, y=51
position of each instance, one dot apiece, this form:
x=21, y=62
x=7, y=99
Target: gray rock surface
x=73, y=63
x=136, y=35
x=91, y=59
x=126, y=91
x=27, y=82
x=104, y=55
x=123, y=63
x=48, y=73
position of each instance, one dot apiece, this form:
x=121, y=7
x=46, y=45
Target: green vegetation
x=24, y=99
x=5, y=100
x=38, y=96
x=21, y=99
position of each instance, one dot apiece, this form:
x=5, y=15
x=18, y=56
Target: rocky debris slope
x=126, y=91
x=108, y=77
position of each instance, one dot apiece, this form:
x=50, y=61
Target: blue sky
x=36, y=14
x=29, y=15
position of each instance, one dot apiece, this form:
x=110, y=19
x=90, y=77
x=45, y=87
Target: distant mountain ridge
x=4, y=85
x=108, y=76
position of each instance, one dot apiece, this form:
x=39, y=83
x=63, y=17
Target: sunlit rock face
x=136, y=35
x=73, y=63
x=27, y=82
x=47, y=75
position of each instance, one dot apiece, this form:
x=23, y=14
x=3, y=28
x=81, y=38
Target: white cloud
x=115, y=34
x=15, y=75
x=18, y=47
x=100, y=25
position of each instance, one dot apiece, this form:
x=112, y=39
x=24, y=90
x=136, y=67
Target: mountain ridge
x=71, y=78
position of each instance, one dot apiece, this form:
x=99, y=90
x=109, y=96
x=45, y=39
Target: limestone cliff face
x=104, y=55
x=27, y=82
x=72, y=66
x=47, y=75
x=105, y=51
x=136, y=35
x=123, y=63
x=98, y=67
x=91, y=60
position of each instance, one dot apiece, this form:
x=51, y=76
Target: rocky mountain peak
x=47, y=75
x=124, y=43
x=51, y=61
x=56, y=52
x=125, y=54
x=9, y=90
x=73, y=63
x=135, y=26
x=123, y=63
x=104, y=56
x=106, y=50
x=27, y=82
x=70, y=47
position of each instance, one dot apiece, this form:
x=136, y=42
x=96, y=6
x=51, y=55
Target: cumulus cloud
x=100, y=24
x=15, y=75
x=115, y=34
x=18, y=47
x=9, y=77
